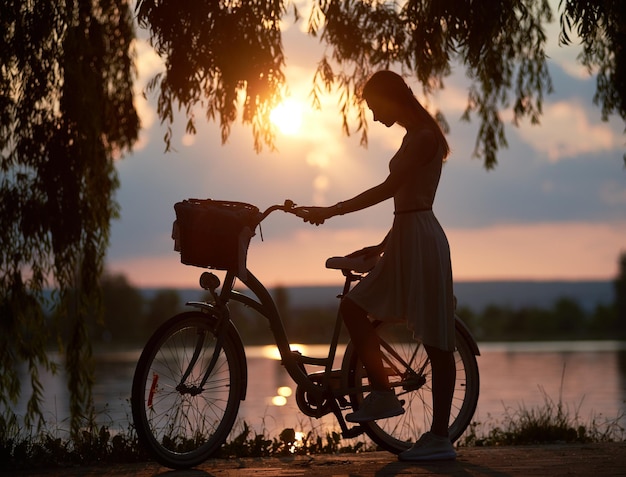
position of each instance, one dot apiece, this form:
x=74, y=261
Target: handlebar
x=288, y=206
x=351, y=264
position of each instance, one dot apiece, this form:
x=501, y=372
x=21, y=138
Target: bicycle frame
x=265, y=305
x=192, y=374
x=318, y=391
x=293, y=361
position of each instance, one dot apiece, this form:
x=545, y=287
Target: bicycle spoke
x=411, y=381
x=183, y=412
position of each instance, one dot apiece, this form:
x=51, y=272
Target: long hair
x=392, y=87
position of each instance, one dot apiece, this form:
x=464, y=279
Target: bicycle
x=192, y=374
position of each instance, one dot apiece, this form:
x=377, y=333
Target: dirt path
x=593, y=460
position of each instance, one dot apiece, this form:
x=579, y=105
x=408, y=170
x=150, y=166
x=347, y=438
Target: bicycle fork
x=209, y=282
x=193, y=390
x=219, y=331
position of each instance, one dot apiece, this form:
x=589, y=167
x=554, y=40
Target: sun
x=287, y=117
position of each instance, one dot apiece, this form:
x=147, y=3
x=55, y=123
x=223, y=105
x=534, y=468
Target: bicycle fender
x=236, y=338
x=247, y=301
x=467, y=334
x=203, y=306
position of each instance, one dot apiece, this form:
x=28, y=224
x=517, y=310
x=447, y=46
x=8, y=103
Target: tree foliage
x=215, y=51
x=601, y=25
x=66, y=111
x=122, y=306
x=620, y=296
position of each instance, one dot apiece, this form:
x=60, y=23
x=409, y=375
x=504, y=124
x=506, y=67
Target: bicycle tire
x=398, y=433
x=178, y=428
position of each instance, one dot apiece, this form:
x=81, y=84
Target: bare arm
x=425, y=145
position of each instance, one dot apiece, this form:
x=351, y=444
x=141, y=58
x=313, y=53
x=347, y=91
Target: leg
x=444, y=377
x=381, y=402
x=436, y=445
x=366, y=342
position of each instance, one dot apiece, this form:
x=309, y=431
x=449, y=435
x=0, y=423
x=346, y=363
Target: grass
x=95, y=445
x=550, y=423
x=47, y=448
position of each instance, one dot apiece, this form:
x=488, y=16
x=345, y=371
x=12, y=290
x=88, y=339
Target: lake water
x=589, y=378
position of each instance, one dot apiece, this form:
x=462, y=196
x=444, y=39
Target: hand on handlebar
x=314, y=215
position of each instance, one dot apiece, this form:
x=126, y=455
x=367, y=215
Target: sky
x=554, y=208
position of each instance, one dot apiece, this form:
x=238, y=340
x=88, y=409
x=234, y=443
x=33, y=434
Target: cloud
x=614, y=193
x=540, y=251
x=544, y=251
x=148, y=63
x=536, y=215
x=567, y=131
x=566, y=56
x=525, y=188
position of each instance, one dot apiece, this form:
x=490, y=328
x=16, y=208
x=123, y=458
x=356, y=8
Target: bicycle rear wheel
x=410, y=375
x=179, y=419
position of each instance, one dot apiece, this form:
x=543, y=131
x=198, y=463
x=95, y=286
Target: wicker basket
x=214, y=234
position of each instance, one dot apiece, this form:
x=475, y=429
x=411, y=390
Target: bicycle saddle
x=358, y=264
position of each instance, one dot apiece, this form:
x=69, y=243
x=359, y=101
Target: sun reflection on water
x=271, y=351
x=279, y=400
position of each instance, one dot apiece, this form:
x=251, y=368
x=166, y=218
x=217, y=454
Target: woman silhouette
x=412, y=281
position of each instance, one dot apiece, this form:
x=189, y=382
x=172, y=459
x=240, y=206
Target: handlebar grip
x=287, y=206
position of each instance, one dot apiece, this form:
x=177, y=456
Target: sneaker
x=377, y=405
x=429, y=447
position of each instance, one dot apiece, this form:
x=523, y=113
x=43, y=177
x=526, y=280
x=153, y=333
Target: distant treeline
x=566, y=320
x=129, y=318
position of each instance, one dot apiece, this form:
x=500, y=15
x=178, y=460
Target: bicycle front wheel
x=183, y=412
x=410, y=375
